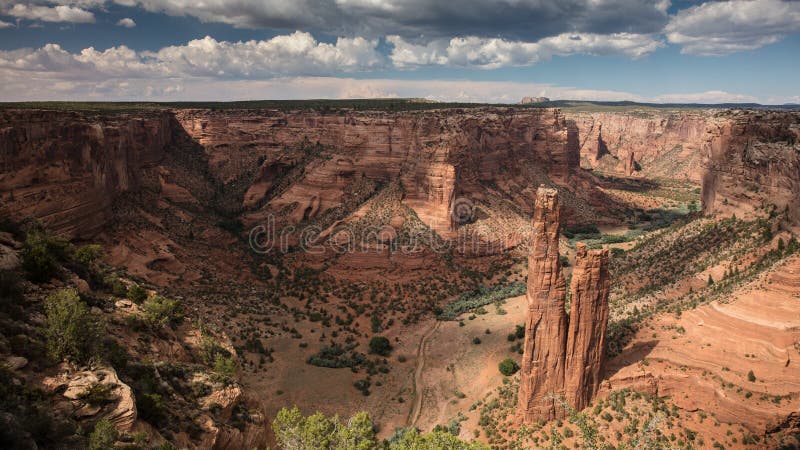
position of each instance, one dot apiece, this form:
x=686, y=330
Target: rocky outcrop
x=96, y=394
x=563, y=356
x=66, y=168
x=586, y=337
x=751, y=159
x=630, y=164
x=542, y=371
x=666, y=143
x=532, y=100
x=437, y=155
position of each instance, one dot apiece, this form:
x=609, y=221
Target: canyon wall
x=648, y=143
x=751, y=159
x=563, y=356
x=66, y=168
x=437, y=155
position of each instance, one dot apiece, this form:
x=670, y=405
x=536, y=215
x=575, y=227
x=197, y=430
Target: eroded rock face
x=752, y=159
x=588, y=317
x=437, y=155
x=66, y=168
x=666, y=144
x=542, y=371
x=563, y=356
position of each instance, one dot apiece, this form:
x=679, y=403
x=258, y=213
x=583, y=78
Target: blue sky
x=472, y=50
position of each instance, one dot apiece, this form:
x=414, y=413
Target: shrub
x=40, y=255
x=508, y=367
x=294, y=431
x=224, y=368
x=380, y=345
x=72, y=332
x=150, y=407
x=137, y=294
x=476, y=340
x=97, y=394
x=104, y=436
x=118, y=288
x=751, y=377
x=160, y=311
x=87, y=255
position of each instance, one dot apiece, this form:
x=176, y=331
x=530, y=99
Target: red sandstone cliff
x=542, y=371
x=664, y=144
x=437, y=155
x=586, y=338
x=66, y=168
x=563, y=356
x=752, y=159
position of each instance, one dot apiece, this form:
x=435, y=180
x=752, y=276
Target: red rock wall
x=612, y=141
x=438, y=155
x=752, y=159
x=65, y=168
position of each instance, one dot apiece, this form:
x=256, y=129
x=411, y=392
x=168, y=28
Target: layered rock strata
x=665, y=143
x=65, y=168
x=437, y=155
x=751, y=159
x=563, y=356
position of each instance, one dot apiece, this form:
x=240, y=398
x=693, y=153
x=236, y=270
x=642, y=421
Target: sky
x=446, y=50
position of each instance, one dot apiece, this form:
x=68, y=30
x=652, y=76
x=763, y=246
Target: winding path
x=413, y=416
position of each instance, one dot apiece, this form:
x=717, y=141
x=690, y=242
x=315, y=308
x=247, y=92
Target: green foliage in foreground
x=104, y=436
x=508, y=367
x=160, y=312
x=294, y=431
x=481, y=297
x=71, y=330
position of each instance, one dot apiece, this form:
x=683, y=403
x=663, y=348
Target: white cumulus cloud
x=286, y=55
x=492, y=53
x=126, y=22
x=718, y=28
x=59, y=13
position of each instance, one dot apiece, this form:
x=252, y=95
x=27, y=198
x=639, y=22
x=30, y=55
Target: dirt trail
x=413, y=416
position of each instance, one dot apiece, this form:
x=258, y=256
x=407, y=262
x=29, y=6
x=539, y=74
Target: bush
x=104, y=436
x=476, y=340
x=160, y=312
x=224, y=368
x=118, y=288
x=380, y=345
x=294, y=431
x=481, y=297
x=137, y=294
x=508, y=367
x=40, y=255
x=72, y=332
x=87, y=255
x=751, y=377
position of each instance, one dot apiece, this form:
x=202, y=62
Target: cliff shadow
x=629, y=356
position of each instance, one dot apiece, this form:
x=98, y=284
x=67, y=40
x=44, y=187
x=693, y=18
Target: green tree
x=40, y=255
x=160, y=311
x=88, y=255
x=72, y=331
x=104, y=436
x=411, y=439
x=710, y=280
x=224, y=367
x=293, y=431
x=137, y=294
x=751, y=377
x=508, y=367
x=380, y=345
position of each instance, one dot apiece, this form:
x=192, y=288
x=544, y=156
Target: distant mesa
x=532, y=100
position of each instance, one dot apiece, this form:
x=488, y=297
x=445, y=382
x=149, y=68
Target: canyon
x=593, y=209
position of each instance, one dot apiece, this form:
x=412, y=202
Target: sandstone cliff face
x=543, y=360
x=663, y=144
x=752, y=159
x=438, y=155
x=65, y=168
x=563, y=356
x=586, y=337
